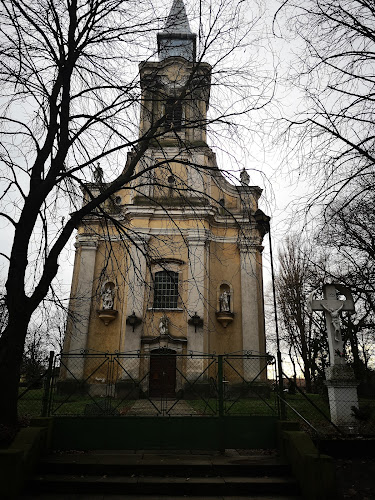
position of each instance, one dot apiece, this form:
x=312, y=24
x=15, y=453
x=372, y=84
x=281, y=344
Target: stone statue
x=98, y=174
x=335, y=318
x=224, y=302
x=244, y=178
x=163, y=325
x=107, y=298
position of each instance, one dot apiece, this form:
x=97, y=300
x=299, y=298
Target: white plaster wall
x=82, y=305
x=250, y=297
x=196, y=296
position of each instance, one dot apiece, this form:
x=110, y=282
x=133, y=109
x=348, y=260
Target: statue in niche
x=107, y=298
x=335, y=318
x=224, y=302
x=164, y=325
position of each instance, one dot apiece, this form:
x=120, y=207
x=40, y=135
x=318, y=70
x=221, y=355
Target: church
x=177, y=265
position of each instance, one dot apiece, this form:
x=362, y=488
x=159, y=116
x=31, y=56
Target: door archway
x=162, y=382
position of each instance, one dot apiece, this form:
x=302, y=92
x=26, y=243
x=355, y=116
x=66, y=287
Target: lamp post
x=195, y=321
x=264, y=226
x=133, y=320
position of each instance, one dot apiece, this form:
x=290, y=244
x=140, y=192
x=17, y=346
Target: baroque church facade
x=184, y=271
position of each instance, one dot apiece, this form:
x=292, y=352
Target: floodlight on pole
x=263, y=222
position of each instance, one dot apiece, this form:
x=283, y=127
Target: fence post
x=220, y=385
x=220, y=390
x=47, y=384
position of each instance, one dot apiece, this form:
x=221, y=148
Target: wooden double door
x=162, y=374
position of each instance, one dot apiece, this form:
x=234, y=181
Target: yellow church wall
x=167, y=248
x=177, y=323
x=224, y=268
x=178, y=223
x=125, y=195
x=225, y=230
x=230, y=202
x=110, y=265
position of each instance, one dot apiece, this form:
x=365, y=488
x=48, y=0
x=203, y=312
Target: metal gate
x=213, y=402
x=162, y=384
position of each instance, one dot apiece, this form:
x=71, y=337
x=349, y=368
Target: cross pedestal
x=340, y=380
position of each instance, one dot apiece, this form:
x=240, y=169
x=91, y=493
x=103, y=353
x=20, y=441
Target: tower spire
x=177, y=21
x=177, y=40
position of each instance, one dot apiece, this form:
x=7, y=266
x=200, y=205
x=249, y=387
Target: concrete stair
x=162, y=474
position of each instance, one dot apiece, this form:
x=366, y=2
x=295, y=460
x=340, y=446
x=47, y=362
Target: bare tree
x=333, y=135
x=342, y=254
x=331, y=144
x=347, y=233
x=71, y=99
x=35, y=354
x=303, y=334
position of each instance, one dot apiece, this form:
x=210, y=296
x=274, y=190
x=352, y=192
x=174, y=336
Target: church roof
x=177, y=21
x=177, y=40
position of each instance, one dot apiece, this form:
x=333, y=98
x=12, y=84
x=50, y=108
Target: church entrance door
x=162, y=374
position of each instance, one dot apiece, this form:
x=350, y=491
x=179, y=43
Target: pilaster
x=197, y=241
x=87, y=246
x=251, y=297
x=136, y=280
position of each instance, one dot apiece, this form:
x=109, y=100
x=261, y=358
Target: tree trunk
x=357, y=363
x=11, y=350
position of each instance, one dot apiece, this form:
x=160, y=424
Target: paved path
x=161, y=407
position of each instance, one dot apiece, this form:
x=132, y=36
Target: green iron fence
x=313, y=413
x=34, y=396
x=161, y=384
x=166, y=384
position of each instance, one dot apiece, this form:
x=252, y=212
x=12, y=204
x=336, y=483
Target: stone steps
x=150, y=474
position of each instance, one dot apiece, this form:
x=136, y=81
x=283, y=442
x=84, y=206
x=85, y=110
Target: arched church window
x=173, y=114
x=165, y=290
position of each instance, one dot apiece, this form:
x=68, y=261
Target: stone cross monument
x=340, y=380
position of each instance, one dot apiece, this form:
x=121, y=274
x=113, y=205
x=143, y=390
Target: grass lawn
x=314, y=409
x=30, y=404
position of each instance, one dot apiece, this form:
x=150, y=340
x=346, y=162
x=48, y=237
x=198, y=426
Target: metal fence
x=154, y=384
x=168, y=384
x=341, y=417
x=34, y=396
x=161, y=384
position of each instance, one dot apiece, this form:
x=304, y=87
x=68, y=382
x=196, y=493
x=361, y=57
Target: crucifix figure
x=335, y=319
x=332, y=308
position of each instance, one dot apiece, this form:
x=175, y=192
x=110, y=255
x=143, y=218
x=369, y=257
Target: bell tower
x=176, y=89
